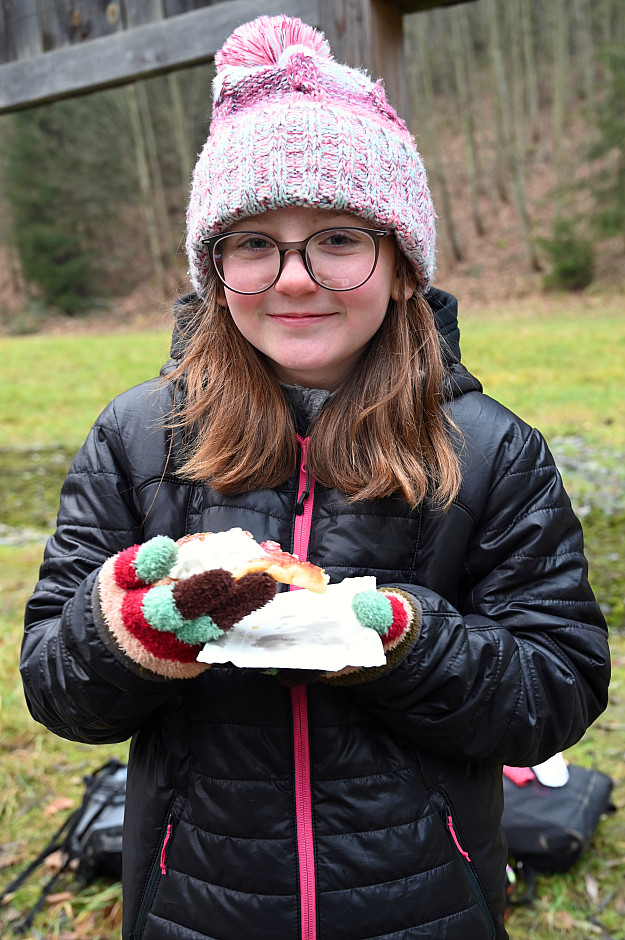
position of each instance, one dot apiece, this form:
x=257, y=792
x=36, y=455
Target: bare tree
x=560, y=78
x=529, y=67
x=421, y=98
x=182, y=137
x=518, y=140
x=465, y=92
x=501, y=99
x=145, y=185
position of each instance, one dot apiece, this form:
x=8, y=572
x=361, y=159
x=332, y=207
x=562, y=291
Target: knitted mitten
x=393, y=614
x=389, y=612
x=162, y=624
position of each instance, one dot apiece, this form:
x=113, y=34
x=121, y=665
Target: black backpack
x=89, y=840
x=548, y=828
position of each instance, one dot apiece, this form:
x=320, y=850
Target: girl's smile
x=312, y=336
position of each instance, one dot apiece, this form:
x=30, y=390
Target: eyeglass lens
x=337, y=259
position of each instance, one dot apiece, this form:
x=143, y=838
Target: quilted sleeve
x=75, y=683
x=522, y=668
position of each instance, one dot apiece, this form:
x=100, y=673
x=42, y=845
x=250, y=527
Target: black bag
x=548, y=828
x=90, y=839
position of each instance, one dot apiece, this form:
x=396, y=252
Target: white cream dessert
x=237, y=551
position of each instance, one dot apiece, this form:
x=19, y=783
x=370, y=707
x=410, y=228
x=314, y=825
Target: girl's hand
x=162, y=624
x=396, y=616
x=390, y=612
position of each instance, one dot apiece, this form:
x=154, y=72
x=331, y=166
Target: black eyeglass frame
x=283, y=247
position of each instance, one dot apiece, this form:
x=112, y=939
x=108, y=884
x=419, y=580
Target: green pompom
x=160, y=611
x=198, y=631
x=373, y=610
x=155, y=558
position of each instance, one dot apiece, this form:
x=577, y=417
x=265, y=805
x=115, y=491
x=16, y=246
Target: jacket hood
x=444, y=306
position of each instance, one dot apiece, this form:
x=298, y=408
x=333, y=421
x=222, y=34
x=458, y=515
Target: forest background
x=518, y=109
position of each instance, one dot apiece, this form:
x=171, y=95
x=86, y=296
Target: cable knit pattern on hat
x=292, y=127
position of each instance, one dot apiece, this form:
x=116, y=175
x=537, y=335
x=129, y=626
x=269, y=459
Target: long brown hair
x=383, y=432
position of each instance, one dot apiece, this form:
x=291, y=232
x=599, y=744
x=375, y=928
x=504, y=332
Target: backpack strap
x=60, y=841
x=55, y=844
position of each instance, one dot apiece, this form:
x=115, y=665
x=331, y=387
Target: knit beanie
x=292, y=127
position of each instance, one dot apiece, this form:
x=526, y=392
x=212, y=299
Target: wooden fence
x=52, y=49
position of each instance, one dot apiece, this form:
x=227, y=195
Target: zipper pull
x=299, y=505
x=163, y=848
x=450, y=826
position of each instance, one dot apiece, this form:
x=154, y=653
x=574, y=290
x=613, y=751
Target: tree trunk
x=502, y=105
x=529, y=69
x=466, y=96
x=145, y=185
x=584, y=48
x=519, y=137
x=158, y=188
x=421, y=95
x=560, y=76
x=181, y=131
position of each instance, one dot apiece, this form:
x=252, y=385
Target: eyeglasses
x=335, y=258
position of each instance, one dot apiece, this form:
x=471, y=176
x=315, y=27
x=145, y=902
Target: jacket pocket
x=442, y=805
x=158, y=869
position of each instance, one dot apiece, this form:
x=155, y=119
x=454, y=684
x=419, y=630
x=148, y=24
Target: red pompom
x=162, y=644
x=400, y=619
x=124, y=569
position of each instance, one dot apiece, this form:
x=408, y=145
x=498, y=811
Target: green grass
x=53, y=387
x=560, y=367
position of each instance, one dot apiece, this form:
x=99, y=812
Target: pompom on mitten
x=395, y=616
x=162, y=624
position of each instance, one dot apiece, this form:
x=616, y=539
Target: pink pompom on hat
x=292, y=127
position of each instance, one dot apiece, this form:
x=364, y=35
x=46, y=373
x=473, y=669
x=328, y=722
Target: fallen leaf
x=55, y=860
x=562, y=920
x=59, y=898
x=7, y=860
x=58, y=805
x=592, y=888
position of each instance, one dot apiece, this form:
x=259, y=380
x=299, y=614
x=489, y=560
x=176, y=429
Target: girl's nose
x=294, y=278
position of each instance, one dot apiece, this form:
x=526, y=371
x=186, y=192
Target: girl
x=316, y=398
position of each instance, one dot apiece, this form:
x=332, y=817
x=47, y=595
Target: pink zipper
x=450, y=826
x=163, y=847
x=301, y=743
x=303, y=812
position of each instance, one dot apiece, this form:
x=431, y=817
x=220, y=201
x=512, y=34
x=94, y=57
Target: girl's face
x=311, y=335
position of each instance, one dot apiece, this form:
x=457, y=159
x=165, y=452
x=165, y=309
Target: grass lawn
x=560, y=367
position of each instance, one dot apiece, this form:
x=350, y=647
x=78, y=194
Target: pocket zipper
x=157, y=870
x=467, y=867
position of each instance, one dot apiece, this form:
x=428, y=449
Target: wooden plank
x=417, y=6
x=180, y=41
x=8, y=50
x=26, y=29
x=140, y=12
x=69, y=22
x=173, y=7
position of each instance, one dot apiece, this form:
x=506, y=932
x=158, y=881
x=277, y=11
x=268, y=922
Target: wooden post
x=21, y=30
x=368, y=34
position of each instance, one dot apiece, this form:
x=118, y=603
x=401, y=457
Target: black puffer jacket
x=338, y=813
